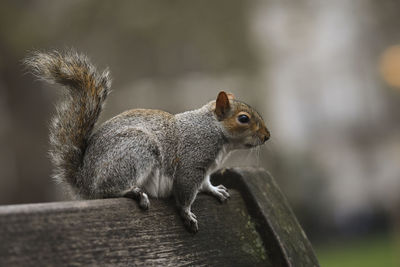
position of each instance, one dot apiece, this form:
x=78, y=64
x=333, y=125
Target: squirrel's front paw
x=190, y=221
x=220, y=192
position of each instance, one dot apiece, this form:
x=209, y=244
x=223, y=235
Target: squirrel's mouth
x=250, y=145
x=254, y=143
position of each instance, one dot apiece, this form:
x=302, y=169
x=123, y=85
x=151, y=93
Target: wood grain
x=274, y=219
x=116, y=232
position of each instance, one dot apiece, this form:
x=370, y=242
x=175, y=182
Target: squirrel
x=140, y=152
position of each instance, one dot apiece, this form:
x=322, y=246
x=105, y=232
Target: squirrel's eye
x=243, y=118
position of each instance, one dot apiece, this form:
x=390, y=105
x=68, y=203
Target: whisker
x=254, y=156
x=248, y=155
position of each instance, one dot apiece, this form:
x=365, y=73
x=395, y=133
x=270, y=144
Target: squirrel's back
x=127, y=150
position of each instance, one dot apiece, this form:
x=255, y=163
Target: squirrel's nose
x=266, y=137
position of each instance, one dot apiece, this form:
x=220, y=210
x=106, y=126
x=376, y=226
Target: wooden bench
x=254, y=228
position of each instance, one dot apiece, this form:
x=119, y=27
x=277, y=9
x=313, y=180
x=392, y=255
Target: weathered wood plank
x=117, y=232
x=274, y=219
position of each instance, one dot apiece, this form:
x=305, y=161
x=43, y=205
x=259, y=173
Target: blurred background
x=325, y=75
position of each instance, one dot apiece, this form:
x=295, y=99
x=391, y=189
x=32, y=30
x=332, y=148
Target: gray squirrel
x=140, y=152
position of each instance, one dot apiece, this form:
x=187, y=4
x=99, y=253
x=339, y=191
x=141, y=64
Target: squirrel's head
x=242, y=124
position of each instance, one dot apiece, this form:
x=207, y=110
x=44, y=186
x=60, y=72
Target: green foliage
x=373, y=251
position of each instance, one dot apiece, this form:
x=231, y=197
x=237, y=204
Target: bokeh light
x=390, y=66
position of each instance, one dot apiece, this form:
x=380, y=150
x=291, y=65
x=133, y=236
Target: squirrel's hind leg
x=138, y=194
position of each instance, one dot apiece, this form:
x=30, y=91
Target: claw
x=220, y=192
x=138, y=194
x=144, y=202
x=190, y=221
x=222, y=187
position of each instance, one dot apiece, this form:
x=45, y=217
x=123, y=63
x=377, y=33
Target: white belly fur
x=219, y=161
x=158, y=185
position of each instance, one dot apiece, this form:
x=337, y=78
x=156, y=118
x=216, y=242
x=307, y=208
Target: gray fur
x=137, y=153
x=76, y=115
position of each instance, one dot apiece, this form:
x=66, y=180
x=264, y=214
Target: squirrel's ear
x=230, y=96
x=222, y=105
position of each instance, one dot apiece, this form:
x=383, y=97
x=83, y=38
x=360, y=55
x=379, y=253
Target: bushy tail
x=77, y=114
